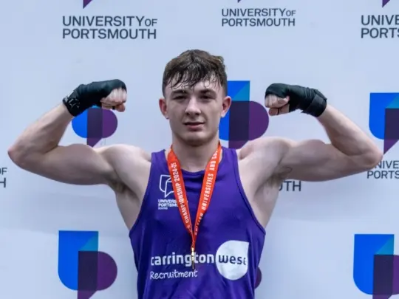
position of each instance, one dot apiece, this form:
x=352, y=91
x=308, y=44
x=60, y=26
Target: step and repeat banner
x=325, y=240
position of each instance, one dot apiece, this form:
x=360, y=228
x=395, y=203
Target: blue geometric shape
x=365, y=249
x=69, y=245
x=379, y=102
x=238, y=91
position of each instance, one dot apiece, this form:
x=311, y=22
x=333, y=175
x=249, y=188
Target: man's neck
x=194, y=158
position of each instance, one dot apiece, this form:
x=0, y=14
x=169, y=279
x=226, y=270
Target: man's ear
x=226, y=105
x=163, y=107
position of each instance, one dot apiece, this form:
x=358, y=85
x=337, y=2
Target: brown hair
x=194, y=66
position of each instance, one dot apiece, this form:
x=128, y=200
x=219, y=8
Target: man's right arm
x=38, y=151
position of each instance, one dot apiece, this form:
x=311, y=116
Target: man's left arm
x=350, y=152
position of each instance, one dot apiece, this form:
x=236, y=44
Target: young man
x=208, y=243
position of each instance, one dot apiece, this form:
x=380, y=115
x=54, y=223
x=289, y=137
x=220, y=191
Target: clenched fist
x=115, y=100
x=110, y=94
x=284, y=98
x=277, y=105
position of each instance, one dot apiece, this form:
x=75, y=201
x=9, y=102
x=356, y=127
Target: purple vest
x=229, y=243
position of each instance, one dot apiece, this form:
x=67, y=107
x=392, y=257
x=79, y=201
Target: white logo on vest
x=165, y=185
x=232, y=259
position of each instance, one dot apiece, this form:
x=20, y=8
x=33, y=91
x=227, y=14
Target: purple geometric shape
x=96, y=271
x=395, y=275
x=258, y=120
x=385, y=2
x=258, y=278
x=86, y=2
x=107, y=271
x=110, y=123
x=101, y=124
x=94, y=126
x=247, y=120
x=391, y=134
x=388, y=144
x=239, y=124
x=385, y=279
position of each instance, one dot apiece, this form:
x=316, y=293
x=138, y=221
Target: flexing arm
x=351, y=151
x=37, y=150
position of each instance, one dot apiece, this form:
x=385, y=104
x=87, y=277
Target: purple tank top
x=229, y=243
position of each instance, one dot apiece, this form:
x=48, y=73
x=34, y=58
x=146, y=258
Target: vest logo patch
x=165, y=185
x=166, y=188
x=165, y=204
x=232, y=259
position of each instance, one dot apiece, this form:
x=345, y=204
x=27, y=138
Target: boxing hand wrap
x=86, y=96
x=309, y=100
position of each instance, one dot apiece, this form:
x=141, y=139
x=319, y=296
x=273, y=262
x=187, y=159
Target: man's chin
x=196, y=139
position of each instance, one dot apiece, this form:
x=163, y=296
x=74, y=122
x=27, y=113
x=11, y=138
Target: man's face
x=194, y=113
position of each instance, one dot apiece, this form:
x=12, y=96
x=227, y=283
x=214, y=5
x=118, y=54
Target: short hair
x=194, y=66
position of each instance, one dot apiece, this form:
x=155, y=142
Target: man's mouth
x=193, y=125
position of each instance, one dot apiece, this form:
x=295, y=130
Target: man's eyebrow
x=207, y=90
x=185, y=91
x=180, y=90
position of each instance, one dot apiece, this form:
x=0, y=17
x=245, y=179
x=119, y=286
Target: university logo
x=246, y=120
x=166, y=189
x=165, y=185
x=375, y=267
x=81, y=267
x=384, y=118
x=95, y=124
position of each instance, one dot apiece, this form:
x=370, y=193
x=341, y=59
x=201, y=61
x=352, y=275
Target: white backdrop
x=310, y=243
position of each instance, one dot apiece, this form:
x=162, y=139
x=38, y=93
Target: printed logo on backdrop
x=247, y=120
x=239, y=16
x=381, y=25
x=230, y=259
x=375, y=267
x=3, y=177
x=95, y=124
x=106, y=25
x=384, y=124
x=86, y=2
x=81, y=267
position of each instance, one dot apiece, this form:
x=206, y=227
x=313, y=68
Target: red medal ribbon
x=179, y=189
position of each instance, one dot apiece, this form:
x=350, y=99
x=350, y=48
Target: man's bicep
x=314, y=160
x=76, y=164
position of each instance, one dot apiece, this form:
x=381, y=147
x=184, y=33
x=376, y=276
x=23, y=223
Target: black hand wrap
x=86, y=96
x=309, y=100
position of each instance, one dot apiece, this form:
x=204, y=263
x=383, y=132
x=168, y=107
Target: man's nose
x=192, y=107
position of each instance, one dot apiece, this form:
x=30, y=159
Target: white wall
x=309, y=250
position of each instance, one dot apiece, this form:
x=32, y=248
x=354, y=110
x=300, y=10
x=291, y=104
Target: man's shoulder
x=125, y=152
x=263, y=145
